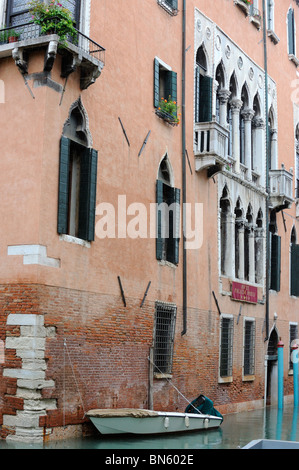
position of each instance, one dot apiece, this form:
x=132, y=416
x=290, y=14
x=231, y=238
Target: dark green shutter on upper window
x=63, y=195
x=159, y=240
x=88, y=187
x=295, y=270
x=291, y=31
x=205, y=99
x=197, y=93
x=156, y=83
x=275, y=262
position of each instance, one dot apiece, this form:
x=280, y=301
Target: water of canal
x=236, y=431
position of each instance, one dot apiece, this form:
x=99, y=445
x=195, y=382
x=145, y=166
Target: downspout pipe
x=183, y=122
x=267, y=174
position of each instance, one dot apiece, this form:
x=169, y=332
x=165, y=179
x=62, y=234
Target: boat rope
x=67, y=351
x=170, y=382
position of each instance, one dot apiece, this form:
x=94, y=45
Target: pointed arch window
x=77, y=179
x=294, y=271
x=203, y=89
x=168, y=216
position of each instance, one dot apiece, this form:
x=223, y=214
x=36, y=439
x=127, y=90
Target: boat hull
x=153, y=423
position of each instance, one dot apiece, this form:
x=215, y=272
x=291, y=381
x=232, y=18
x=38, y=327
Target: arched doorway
x=272, y=369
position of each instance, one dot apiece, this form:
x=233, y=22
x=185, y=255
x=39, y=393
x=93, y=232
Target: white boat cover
x=121, y=412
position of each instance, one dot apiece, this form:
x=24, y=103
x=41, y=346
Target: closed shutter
x=275, y=263
x=176, y=235
x=63, y=193
x=291, y=31
x=88, y=186
x=205, y=99
x=197, y=93
x=295, y=270
x=159, y=239
x=156, y=83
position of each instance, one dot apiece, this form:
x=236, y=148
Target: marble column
x=236, y=105
x=251, y=256
x=247, y=115
x=223, y=99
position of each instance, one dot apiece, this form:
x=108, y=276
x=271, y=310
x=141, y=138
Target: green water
x=236, y=431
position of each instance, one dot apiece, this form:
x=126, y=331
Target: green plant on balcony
x=248, y=2
x=53, y=18
x=168, y=110
x=3, y=35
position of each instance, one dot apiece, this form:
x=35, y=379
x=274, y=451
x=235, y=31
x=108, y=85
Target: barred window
x=249, y=347
x=226, y=347
x=293, y=336
x=164, y=337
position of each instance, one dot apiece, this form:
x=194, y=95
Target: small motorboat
x=140, y=421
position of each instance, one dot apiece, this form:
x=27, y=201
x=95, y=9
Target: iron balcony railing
x=30, y=30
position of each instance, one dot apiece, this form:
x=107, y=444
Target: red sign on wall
x=244, y=292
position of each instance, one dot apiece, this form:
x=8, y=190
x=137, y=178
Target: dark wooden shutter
x=63, y=193
x=295, y=269
x=205, y=99
x=174, y=227
x=88, y=187
x=197, y=93
x=291, y=31
x=275, y=262
x=159, y=240
x=156, y=83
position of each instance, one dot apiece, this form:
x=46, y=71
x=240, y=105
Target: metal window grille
x=293, y=336
x=249, y=347
x=226, y=347
x=164, y=337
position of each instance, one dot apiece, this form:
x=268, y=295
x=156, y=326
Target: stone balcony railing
x=280, y=188
x=210, y=147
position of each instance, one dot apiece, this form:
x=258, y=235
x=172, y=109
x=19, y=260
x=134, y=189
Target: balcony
x=211, y=142
x=280, y=188
x=19, y=41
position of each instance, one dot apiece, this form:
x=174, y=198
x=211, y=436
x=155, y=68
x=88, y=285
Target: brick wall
x=95, y=355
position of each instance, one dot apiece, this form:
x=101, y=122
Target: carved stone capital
x=224, y=95
x=247, y=114
x=235, y=105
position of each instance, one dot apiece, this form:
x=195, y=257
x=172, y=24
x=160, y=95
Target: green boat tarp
x=203, y=405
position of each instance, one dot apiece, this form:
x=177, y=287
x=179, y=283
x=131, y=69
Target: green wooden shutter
x=275, y=262
x=291, y=31
x=177, y=199
x=156, y=83
x=159, y=200
x=295, y=270
x=205, y=99
x=63, y=192
x=197, y=93
x=87, y=201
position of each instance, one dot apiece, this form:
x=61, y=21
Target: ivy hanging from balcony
x=168, y=110
x=53, y=18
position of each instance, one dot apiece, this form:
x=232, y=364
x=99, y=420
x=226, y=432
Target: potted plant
x=13, y=35
x=168, y=110
x=53, y=18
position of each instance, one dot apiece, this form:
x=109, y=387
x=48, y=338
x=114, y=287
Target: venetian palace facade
x=99, y=306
